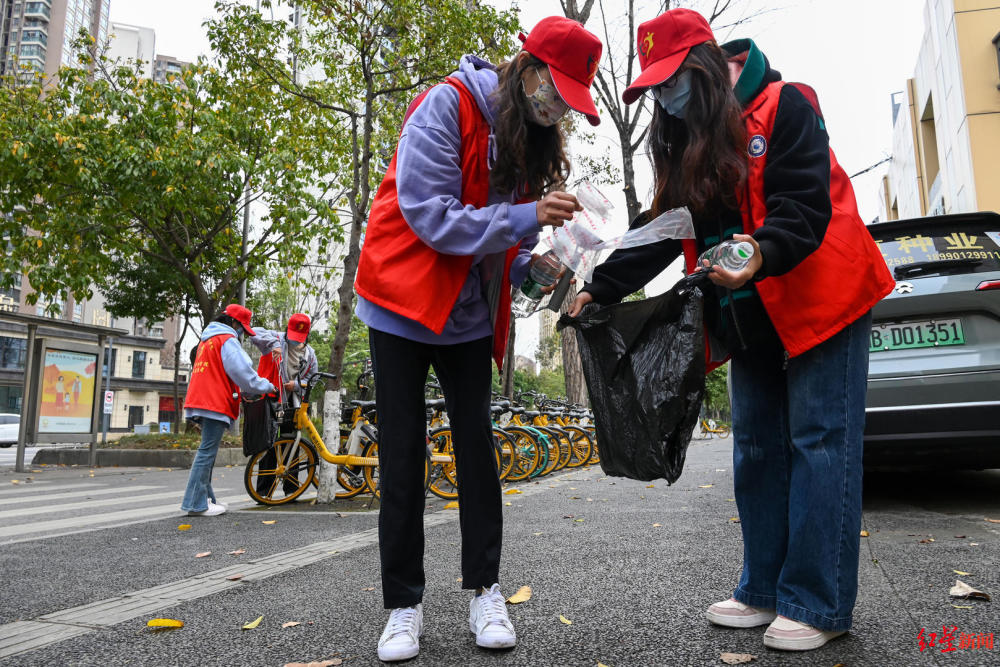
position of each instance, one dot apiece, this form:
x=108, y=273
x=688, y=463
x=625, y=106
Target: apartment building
x=39, y=34
x=946, y=122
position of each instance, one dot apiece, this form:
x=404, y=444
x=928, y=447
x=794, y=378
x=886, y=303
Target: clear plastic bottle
x=544, y=272
x=730, y=255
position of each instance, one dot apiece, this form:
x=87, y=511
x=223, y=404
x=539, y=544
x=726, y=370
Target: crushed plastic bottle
x=730, y=255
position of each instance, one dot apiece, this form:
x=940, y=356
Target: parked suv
x=934, y=376
x=8, y=429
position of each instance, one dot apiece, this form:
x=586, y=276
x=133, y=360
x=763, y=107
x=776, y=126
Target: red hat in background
x=664, y=43
x=572, y=54
x=298, y=327
x=241, y=315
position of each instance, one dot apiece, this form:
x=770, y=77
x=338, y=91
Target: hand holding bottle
x=736, y=279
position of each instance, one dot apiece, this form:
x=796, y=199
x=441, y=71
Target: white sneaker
x=213, y=510
x=401, y=638
x=488, y=620
x=787, y=635
x=734, y=614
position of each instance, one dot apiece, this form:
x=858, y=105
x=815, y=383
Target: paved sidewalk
x=586, y=544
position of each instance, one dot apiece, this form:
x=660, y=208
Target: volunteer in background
x=221, y=370
x=286, y=360
x=750, y=157
x=475, y=177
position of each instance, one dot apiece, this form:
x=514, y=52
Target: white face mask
x=545, y=104
x=674, y=99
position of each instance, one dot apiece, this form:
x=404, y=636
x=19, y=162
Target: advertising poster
x=68, y=382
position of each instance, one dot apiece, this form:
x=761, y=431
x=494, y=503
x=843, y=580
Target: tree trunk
x=628, y=178
x=508, y=361
x=576, y=385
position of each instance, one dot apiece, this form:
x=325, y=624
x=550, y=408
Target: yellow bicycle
x=296, y=455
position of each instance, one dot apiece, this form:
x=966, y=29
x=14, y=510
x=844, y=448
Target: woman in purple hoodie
x=476, y=175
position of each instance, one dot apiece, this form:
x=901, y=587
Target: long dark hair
x=529, y=156
x=699, y=162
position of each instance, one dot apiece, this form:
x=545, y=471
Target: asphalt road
x=587, y=545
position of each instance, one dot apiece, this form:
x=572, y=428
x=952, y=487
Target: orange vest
x=210, y=387
x=839, y=281
x=401, y=273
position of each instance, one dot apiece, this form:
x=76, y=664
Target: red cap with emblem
x=572, y=54
x=241, y=315
x=298, y=327
x=664, y=43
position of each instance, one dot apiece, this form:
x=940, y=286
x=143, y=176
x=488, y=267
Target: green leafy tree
x=139, y=187
x=717, y=393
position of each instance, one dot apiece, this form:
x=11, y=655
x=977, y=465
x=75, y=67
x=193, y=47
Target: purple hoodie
x=429, y=187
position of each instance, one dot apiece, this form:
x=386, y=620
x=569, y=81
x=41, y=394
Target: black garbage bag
x=644, y=362
x=261, y=424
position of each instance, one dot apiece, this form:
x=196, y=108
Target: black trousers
x=401, y=367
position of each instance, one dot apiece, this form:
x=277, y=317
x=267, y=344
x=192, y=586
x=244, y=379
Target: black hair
x=230, y=321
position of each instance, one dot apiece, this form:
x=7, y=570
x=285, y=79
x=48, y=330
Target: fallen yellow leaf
x=270, y=523
x=15, y=481
x=164, y=623
x=730, y=500
x=291, y=624
x=253, y=624
x=453, y=505
x=864, y=533
x=705, y=486
x=579, y=520
x=237, y=552
x=235, y=577
x=333, y=662
x=736, y=658
x=735, y=519
x=657, y=525
x=523, y=594
x=962, y=606
x=509, y=504
x=651, y=486
x=601, y=664
x=203, y=554
x=184, y=526
x=962, y=574
x=537, y=534
x=565, y=620
x=513, y=492
x=370, y=588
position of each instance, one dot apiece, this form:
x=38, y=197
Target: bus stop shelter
x=63, y=386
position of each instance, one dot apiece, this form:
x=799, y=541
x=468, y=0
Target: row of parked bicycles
x=533, y=436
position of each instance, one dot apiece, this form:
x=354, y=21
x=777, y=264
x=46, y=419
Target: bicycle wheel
x=282, y=473
x=443, y=481
x=527, y=453
x=372, y=472
x=505, y=452
x=583, y=448
x=552, y=441
x=565, y=447
x=725, y=431
x=545, y=448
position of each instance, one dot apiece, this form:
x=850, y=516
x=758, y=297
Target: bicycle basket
x=644, y=363
x=260, y=425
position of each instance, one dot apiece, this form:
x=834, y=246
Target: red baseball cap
x=298, y=327
x=241, y=315
x=664, y=43
x=572, y=54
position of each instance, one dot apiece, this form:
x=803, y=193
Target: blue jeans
x=199, y=486
x=797, y=473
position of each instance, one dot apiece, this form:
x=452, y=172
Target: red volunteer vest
x=839, y=281
x=210, y=388
x=269, y=370
x=401, y=273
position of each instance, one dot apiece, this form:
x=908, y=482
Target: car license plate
x=910, y=335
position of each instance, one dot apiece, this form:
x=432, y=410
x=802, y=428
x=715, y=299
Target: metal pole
x=106, y=384
x=97, y=411
x=25, y=399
